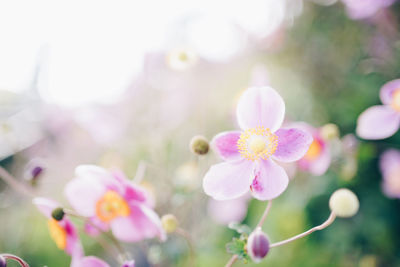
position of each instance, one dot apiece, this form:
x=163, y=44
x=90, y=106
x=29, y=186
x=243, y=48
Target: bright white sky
x=90, y=50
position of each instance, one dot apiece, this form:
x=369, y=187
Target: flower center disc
x=314, y=150
x=110, y=206
x=256, y=143
x=57, y=233
x=396, y=100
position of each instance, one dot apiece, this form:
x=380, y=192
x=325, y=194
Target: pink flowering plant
x=250, y=155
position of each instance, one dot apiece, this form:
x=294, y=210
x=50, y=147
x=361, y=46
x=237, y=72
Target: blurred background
x=127, y=84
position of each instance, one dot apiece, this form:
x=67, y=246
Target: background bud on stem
x=257, y=245
x=329, y=131
x=199, y=145
x=344, y=203
x=169, y=223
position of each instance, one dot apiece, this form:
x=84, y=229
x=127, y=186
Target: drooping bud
x=344, y=203
x=329, y=131
x=129, y=264
x=169, y=223
x=3, y=261
x=257, y=245
x=199, y=145
x=58, y=214
x=34, y=169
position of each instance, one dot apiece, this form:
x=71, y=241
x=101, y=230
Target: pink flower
x=318, y=157
x=63, y=232
x=362, y=9
x=113, y=201
x=89, y=261
x=228, y=211
x=390, y=168
x=249, y=155
x=382, y=121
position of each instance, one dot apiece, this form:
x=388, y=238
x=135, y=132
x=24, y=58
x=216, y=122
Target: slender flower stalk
x=233, y=259
x=189, y=241
x=14, y=183
x=15, y=258
x=328, y=222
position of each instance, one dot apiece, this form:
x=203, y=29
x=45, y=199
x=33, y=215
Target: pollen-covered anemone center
x=396, y=100
x=314, y=150
x=57, y=233
x=256, y=143
x=110, y=206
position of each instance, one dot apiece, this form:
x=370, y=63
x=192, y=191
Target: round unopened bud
x=3, y=261
x=58, y=214
x=329, y=131
x=199, y=145
x=169, y=223
x=344, y=203
x=257, y=245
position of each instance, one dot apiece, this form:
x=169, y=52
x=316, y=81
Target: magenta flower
x=318, y=157
x=63, y=232
x=390, y=168
x=115, y=202
x=362, y=9
x=382, y=121
x=249, y=155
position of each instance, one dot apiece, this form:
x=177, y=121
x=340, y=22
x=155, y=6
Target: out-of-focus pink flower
x=228, y=211
x=89, y=261
x=362, y=9
x=318, y=157
x=249, y=155
x=382, y=121
x=129, y=264
x=63, y=232
x=115, y=202
x=390, y=168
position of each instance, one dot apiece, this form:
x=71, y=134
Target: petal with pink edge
x=225, y=144
x=141, y=224
x=387, y=90
x=83, y=194
x=293, y=144
x=260, y=106
x=45, y=205
x=271, y=180
x=89, y=261
x=228, y=180
x=378, y=122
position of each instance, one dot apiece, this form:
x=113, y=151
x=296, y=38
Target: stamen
x=256, y=143
x=110, y=206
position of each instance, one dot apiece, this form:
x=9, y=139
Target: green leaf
x=237, y=247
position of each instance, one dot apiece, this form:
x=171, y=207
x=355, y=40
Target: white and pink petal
x=225, y=144
x=293, y=144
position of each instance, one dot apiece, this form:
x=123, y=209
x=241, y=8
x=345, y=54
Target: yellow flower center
x=110, y=206
x=396, y=100
x=256, y=143
x=314, y=150
x=57, y=233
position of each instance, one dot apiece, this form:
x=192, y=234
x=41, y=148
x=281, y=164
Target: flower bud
x=344, y=203
x=129, y=264
x=58, y=214
x=169, y=223
x=3, y=261
x=199, y=145
x=257, y=245
x=329, y=131
x=33, y=170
